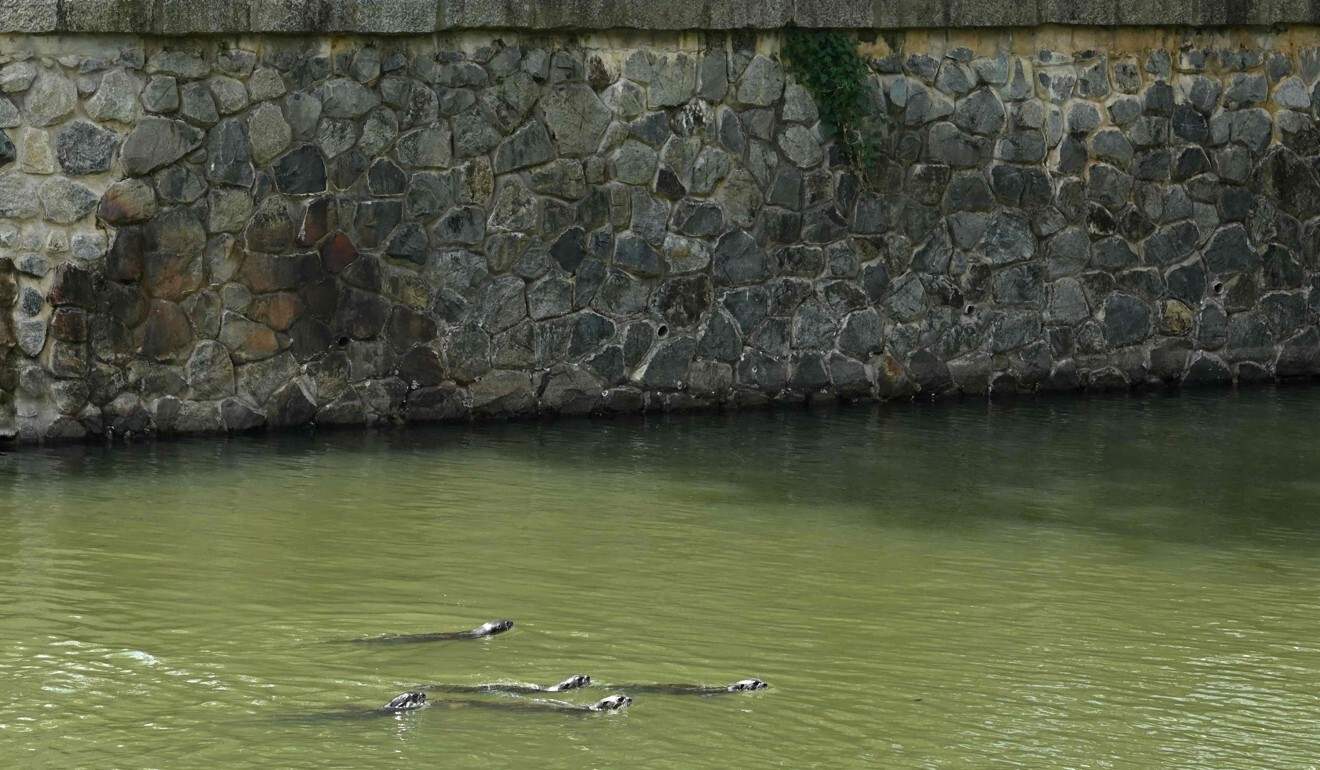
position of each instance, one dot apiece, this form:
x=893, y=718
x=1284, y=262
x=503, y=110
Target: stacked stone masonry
x=199, y=236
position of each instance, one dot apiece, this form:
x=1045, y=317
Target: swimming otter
x=484, y=630
x=608, y=703
x=410, y=701
x=398, y=705
x=611, y=703
x=742, y=685
x=571, y=683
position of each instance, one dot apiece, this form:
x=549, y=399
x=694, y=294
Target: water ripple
x=1103, y=583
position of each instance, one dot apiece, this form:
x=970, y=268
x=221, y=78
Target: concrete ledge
x=29, y=15
x=192, y=17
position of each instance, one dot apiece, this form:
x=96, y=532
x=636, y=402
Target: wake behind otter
x=481, y=632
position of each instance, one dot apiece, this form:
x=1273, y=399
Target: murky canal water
x=1075, y=583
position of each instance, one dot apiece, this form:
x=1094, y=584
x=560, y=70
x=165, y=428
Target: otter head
x=747, y=685
x=406, y=702
x=612, y=703
x=572, y=683
x=495, y=627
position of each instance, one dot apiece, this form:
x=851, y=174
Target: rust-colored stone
x=269, y=229
x=124, y=303
x=365, y=274
x=263, y=273
x=9, y=357
x=73, y=286
x=173, y=276
x=322, y=298
x=8, y=284
x=321, y=216
x=177, y=230
x=112, y=341
x=257, y=273
x=69, y=324
x=338, y=253
x=278, y=310
x=246, y=340
x=407, y=327
x=166, y=332
x=67, y=359
x=124, y=260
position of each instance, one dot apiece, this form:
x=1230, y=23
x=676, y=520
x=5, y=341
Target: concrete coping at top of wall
x=222, y=17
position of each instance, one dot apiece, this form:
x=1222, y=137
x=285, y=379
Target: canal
x=1089, y=583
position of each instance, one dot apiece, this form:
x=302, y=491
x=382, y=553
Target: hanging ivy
x=827, y=64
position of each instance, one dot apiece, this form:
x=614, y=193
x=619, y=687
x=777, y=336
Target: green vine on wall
x=827, y=64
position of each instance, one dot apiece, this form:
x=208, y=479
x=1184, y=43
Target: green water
x=1077, y=583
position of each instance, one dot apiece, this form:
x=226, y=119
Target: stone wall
x=220, y=234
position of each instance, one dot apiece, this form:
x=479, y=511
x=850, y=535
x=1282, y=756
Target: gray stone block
x=106, y=15
x=762, y=83
x=529, y=146
x=833, y=14
x=200, y=17
x=673, y=80
x=577, y=118
x=31, y=16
